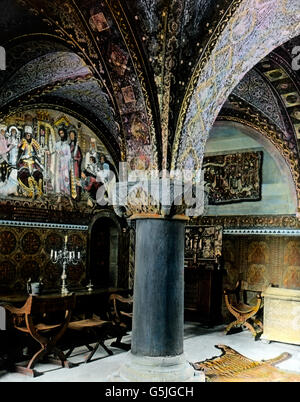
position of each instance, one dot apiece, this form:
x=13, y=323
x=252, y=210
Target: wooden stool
x=92, y=330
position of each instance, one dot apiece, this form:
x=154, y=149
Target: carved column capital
x=163, y=198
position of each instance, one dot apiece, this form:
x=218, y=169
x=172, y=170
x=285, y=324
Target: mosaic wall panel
x=25, y=253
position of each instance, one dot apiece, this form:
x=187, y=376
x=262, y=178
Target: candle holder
x=90, y=286
x=65, y=257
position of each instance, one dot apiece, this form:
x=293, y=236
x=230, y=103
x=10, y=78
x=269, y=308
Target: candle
x=51, y=255
x=66, y=239
x=78, y=254
x=55, y=254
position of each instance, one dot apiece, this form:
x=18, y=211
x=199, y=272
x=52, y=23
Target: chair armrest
x=229, y=291
x=236, y=290
x=12, y=309
x=130, y=315
x=127, y=300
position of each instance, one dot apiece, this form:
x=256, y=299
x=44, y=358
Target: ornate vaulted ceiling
x=152, y=75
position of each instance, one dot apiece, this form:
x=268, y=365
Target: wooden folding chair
x=45, y=319
x=245, y=314
x=121, y=316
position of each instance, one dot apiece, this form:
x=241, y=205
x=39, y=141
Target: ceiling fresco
x=254, y=90
x=88, y=95
x=277, y=70
x=150, y=77
x=44, y=70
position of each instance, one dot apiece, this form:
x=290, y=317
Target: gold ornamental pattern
x=7, y=242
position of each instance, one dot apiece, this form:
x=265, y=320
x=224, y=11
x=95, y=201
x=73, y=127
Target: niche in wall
x=104, y=253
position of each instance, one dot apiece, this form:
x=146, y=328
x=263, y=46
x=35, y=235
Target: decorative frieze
x=267, y=222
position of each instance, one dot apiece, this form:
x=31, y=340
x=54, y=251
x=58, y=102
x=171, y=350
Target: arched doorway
x=104, y=252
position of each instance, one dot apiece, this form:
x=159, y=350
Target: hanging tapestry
x=233, y=177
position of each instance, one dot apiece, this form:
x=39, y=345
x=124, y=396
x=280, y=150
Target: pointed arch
x=249, y=31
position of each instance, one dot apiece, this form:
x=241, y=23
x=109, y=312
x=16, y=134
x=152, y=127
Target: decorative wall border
x=245, y=222
x=43, y=225
x=274, y=232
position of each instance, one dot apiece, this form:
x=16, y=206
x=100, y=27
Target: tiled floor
x=199, y=344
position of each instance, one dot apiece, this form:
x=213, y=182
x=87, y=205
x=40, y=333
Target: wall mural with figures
x=45, y=154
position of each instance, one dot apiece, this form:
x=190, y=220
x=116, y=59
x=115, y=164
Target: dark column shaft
x=158, y=288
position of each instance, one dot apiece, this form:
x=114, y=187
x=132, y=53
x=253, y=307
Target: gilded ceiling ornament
x=134, y=51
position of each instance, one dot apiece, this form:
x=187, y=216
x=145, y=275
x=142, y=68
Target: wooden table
x=22, y=297
x=87, y=302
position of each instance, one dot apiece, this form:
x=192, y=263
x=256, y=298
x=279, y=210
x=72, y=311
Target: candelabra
x=65, y=257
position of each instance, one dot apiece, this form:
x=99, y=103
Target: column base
x=157, y=369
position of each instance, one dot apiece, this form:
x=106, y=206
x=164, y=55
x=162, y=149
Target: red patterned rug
x=231, y=366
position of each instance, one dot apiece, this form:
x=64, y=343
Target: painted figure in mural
x=4, y=149
x=62, y=163
x=46, y=139
x=104, y=169
x=106, y=175
x=30, y=169
x=42, y=134
x=13, y=142
x=89, y=178
x=76, y=156
x=43, y=150
x=10, y=185
x=92, y=152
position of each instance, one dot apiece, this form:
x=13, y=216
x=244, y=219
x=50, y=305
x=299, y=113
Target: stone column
x=158, y=316
x=157, y=353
